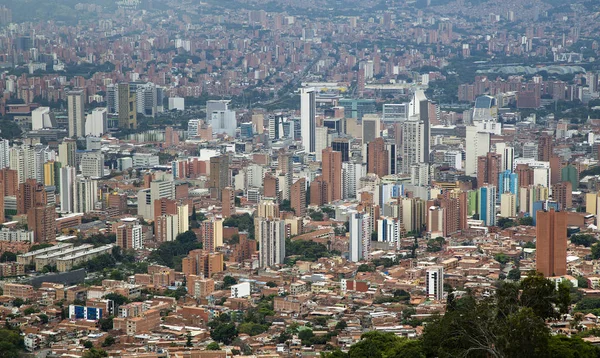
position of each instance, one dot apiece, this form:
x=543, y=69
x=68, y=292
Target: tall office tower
x=96, y=123
x=508, y=156
x=508, y=182
x=75, y=103
x=545, y=148
x=488, y=169
x=416, y=132
x=551, y=242
x=275, y=126
x=4, y=153
x=270, y=234
x=524, y=174
x=85, y=195
x=308, y=118
x=219, y=175
x=213, y=106
x=285, y=166
x=530, y=151
x=126, y=107
x=477, y=145
x=508, y=205
x=358, y=226
x=67, y=184
x=42, y=221
x=298, y=197
x=392, y=157
x=41, y=117
x=562, y=193
x=352, y=172
x=66, y=153
x=342, y=145
x=332, y=174
x=377, y=158
x=321, y=141
x=371, y=128
x=129, y=234
x=9, y=182
x=228, y=202
x=393, y=112
x=149, y=98
x=92, y=164
x=30, y=194
x=224, y=122
x=258, y=122
x=435, y=283
x=487, y=205
x=211, y=232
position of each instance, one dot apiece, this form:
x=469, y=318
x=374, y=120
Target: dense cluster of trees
x=243, y=222
x=305, y=251
x=170, y=253
x=511, y=323
x=586, y=240
x=11, y=343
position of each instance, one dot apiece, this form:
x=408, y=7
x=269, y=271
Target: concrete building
x=308, y=109
x=435, y=283
x=75, y=105
x=551, y=242
x=270, y=235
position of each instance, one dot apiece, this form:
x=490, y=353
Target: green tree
x=106, y=324
x=271, y=284
x=188, y=340
x=43, y=318
x=108, y=341
x=8, y=256
x=228, y=281
x=224, y=333
x=213, y=346
x=539, y=294
x=18, y=302
x=596, y=251
x=514, y=274
x=586, y=240
x=95, y=353
x=88, y=344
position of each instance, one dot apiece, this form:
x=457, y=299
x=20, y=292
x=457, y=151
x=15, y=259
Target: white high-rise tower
x=308, y=121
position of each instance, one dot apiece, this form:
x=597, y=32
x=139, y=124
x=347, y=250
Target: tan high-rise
x=298, y=197
x=332, y=173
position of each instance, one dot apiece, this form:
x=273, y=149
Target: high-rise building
x=85, y=194
x=371, y=128
x=42, y=221
x=318, y=191
x=285, y=166
x=96, y=123
x=270, y=234
x=41, y=117
x=508, y=156
x=66, y=153
x=393, y=112
x=267, y=209
x=308, y=120
x=4, y=153
x=487, y=205
x=545, y=148
x=202, y=263
x=530, y=151
x=352, y=172
x=228, y=202
x=342, y=145
x=211, y=232
x=224, y=122
x=75, y=103
x=298, y=197
x=524, y=175
x=360, y=237
x=30, y=194
x=435, y=283
x=377, y=158
x=551, y=242
x=477, y=144
x=488, y=169
x=569, y=173
x=92, y=164
x=485, y=115
x=67, y=184
x=415, y=133
x=508, y=205
x=129, y=234
x=508, y=182
x=562, y=193
x=127, y=107
x=219, y=175
x=332, y=174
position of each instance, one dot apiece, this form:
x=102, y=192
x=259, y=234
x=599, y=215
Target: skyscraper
x=360, y=237
x=298, y=197
x=219, y=175
x=435, y=283
x=377, y=158
x=127, y=107
x=332, y=173
x=96, y=123
x=562, y=193
x=371, y=124
x=75, y=103
x=551, y=243
x=508, y=156
x=42, y=221
x=270, y=234
x=415, y=133
x=66, y=153
x=477, y=144
x=211, y=232
x=545, y=148
x=487, y=205
x=228, y=202
x=488, y=169
x=85, y=194
x=308, y=113
x=508, y=182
